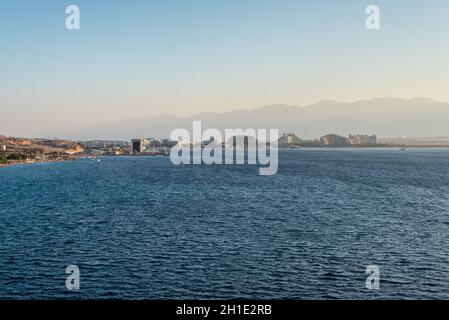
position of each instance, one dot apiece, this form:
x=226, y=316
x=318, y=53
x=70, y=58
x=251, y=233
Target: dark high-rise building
x=136, y=145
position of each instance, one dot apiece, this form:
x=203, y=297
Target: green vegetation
x=16, y=157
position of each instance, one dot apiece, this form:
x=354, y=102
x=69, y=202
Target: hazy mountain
x=388, y=117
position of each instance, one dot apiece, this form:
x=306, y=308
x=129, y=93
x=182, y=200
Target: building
x=114, y=151
x=3, y=147
x=363, y=140
x=152, y=143
x=333, y=140
x=136, y=146
x=167, y=143
x=95, y=152
x=289, y=140
x=103, y=144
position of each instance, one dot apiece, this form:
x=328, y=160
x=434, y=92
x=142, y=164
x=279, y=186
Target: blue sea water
x=142, y=228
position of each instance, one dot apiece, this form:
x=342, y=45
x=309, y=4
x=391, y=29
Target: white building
x=289, y=140
x=363, y=139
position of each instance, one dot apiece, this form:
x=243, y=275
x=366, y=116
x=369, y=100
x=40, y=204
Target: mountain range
x=387, y=117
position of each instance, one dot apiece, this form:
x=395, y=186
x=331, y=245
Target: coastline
x=72, y=158
x=15, y=163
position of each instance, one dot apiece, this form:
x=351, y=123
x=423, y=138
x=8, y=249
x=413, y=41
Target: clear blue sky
x=141, y=58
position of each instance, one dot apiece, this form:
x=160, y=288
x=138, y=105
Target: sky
x=135, y=59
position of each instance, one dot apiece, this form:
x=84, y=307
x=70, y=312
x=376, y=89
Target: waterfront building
x=167, y=143
x=151, y=143
x=333, y=140
x=363, y=139
x=104, y=144
x=289, y=140
x=95, y=152
x=136, y=146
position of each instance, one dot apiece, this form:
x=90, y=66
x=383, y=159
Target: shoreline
x=73, y=158
x=15, y=163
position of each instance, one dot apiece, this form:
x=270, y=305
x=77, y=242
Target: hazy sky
x=136, y=59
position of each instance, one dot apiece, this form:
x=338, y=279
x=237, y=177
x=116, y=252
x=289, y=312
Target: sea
x=143, y=228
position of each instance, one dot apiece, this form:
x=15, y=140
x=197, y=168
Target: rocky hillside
x=39, y=145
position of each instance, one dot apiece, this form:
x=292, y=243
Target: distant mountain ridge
x=387, y=117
